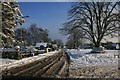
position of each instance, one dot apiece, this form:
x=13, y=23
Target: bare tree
x=37, y=34
x=21, y=36
x=75, y=35
x=96, y=19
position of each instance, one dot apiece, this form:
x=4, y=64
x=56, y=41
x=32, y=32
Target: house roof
x=39, y=44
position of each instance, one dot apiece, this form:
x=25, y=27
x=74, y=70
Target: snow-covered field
x=82, y=58
x=7, y=63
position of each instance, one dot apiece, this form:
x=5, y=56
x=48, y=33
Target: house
x=41, y=46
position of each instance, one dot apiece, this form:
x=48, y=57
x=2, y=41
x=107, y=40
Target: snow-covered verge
x=93, y=65
x=108, y=71
x=82, y=57
x=8, y=63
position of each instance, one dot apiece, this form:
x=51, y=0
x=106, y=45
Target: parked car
x=12, y=53
x=27, y=52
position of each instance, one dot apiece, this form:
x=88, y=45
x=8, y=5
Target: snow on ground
x=7, y=63
x=81, y=58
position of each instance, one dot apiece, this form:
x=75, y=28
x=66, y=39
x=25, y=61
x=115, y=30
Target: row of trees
x=33, y=35
x=93, y=21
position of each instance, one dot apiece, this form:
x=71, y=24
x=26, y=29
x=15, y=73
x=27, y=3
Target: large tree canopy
x=11, y=16
x=96, y=19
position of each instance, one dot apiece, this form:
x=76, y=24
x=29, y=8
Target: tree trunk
x=97, y=44
x=74, y=42
x=97, y=48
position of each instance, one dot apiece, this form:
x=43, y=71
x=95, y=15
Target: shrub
x=17, y=56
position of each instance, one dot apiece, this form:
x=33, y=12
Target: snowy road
x=7, y=63
x=55, y=65
x=81, y=58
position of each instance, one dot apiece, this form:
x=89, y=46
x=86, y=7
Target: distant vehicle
x=32, y=49
x=24, y=49
x=28, y=51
